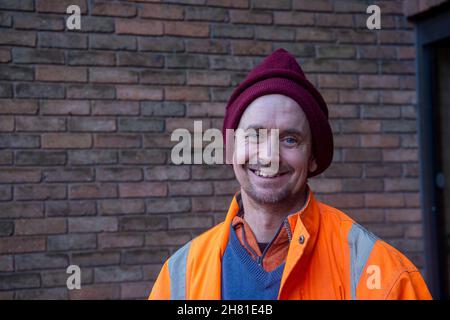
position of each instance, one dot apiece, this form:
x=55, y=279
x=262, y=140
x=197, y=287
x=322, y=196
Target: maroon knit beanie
x=279, y=73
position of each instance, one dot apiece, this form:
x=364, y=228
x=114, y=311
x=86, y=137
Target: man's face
x=275, y=111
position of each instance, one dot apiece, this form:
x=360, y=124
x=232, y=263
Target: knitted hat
x=279, y=73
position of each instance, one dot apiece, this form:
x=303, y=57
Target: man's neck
x=265, y=219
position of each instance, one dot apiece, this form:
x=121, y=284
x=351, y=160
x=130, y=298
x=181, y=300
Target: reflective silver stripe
x=361, y=244
x=177, y=273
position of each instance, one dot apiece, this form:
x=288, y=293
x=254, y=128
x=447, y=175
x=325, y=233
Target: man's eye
x=252, y=135
x=290, y=140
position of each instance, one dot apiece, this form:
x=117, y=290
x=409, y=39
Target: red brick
x=403, y=215
x=401, y=155
x=384, y=200
x=380, y=140
x=412, y=200
x=344, y=200
x=118, y=174
x=186, y=93
x=69, y=174
x=248, y=47
x=92, y=191
x=339, y=111
x=32, y=123
x=18, y=106
x=22, y=244
x=117, y=141
x=366, y=215
x=139, y=93
x=228, y=3
x=108, y=240
x=139, y=27
x=61, y=74
x=249, y=17
x=65, y=107
x=162, y=11
x=96, y=292
x=6, y=124
x=356, y=36
x=167, y=238
x=6, y=263
x=358, y=96
x=59, y=6
x=206, y=109
x=387, y=231
x=334, y=20
x=92, y=124
x=191, y=222
x=5, y=55
x=314, y=34
x=379, y=81
x=186, y=29
x=377, y=52
x=399, y=97
x=112, y=75
x=108, y=8
x=293, y=18
x=326, y=185
x=22, y=209
x=142, y=190
x=93, y=224
x=360, y=126
x=66, y=141
x=346, y=141
x=404, y=184
x=115, y=108
x=362, y=185
x=19, y=175
x=337, y=81
x=405, y=53
x=380, y=112
x=362, y=155
x=135, y=290
x=40, y=192
x=40, y=226
x=317, y=5
x=121, y=206
x=414, y=231
x=203, y=78
x=227, y=187
x=190, y=188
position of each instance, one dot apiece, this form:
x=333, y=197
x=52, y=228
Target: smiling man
x=278, y=241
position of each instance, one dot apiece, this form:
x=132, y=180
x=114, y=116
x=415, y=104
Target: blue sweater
x=243, y=278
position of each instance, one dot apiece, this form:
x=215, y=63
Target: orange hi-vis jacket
x=329, y=257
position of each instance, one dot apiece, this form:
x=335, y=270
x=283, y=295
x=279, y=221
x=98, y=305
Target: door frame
x=431, y=27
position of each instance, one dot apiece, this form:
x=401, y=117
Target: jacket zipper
x=260, y=258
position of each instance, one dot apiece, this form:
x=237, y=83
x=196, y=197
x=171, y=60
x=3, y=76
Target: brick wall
x=86, y=117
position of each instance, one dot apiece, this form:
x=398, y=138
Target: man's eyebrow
x=255, y=127
x=292, y=131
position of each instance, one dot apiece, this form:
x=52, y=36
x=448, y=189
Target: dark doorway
x=442, y=130
x=433, y=72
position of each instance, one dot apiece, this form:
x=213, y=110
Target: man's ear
x=312, y=164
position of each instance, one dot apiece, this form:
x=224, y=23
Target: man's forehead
x=286, y=116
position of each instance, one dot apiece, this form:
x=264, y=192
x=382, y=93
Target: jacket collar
x=304, y=223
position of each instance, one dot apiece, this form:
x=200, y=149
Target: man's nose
x=265, y=151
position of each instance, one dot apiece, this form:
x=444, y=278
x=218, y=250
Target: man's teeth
x=266, y=174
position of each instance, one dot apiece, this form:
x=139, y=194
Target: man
x=278, y=241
